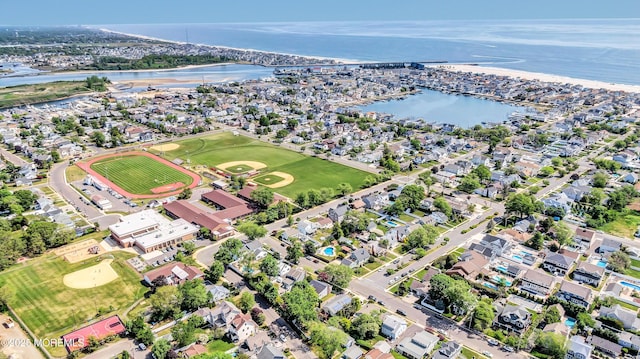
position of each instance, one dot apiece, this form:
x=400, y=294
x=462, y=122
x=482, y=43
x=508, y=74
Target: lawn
x=139, y=174
x=633, y=273
x=219, y=346
x=50, y=309
x=308, y=172
x=469, y=354
x=74, y=173
x=625, y=226
x=635, y=263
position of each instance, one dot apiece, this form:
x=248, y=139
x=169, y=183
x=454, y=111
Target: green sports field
x=50, y=309
x=139, y=174
x=309, y=172
x=268, y=179
x=239, y=169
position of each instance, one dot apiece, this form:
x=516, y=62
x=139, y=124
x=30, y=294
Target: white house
x=393, y=327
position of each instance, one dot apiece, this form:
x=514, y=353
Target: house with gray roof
x=448, y=350
x=353, y=352
x=357, y=258
x=513, y=318
x=393, y=327
x=537, y=283
x=609, y=245
x=588, y=273
x=270, y=352
x=498, y=245
x=337, y=214
x=605, y=346
x=334, y=305
x=575, y=293
x=627, y=317
x=557, y=264
x=578, y=348
x=629, y=340
x=417, y=346
x=323, y=289
x=218, y=293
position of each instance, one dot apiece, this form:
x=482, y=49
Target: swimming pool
x=329, y=251
x=523, y=253
x=501, y=268
x=499, y=279
x=570, y=322
x=602, y=264
x=630, y=285
x=392, y=224
x=517, y=257
x=490, y=285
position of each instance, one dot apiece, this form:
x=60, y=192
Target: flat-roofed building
x=183, y=209
x=148, y=230
x=168, y=234
x=136, y=224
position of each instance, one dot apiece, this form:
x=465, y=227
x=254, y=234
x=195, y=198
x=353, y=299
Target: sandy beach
x=542, y=77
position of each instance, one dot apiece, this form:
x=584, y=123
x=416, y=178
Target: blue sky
x=71, y=12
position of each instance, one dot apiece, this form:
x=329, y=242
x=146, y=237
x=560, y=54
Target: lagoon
x=437, y=107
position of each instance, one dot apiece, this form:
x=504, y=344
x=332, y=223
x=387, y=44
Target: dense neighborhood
x=507, y=239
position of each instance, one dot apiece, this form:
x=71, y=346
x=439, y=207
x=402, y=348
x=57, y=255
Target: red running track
x=86, y=166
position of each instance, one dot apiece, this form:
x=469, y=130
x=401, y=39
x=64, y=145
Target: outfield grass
x=139, y=174
x=51, y=309
x=308, y=172
x=625, y=226
x=268, y=179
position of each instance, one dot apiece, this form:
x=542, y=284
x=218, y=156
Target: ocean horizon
x=605, y=50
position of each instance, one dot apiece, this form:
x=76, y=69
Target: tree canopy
x=336, y=274
x=252, y=230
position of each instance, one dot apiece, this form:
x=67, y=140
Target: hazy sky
x=71, y=12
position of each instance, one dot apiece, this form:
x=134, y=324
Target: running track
x=86, y=166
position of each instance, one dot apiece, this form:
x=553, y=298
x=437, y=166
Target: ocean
x=601, y=49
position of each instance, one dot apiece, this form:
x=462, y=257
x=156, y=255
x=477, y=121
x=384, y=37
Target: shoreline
x=339, y=61
x=528, y=75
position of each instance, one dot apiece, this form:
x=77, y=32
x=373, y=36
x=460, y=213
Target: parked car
x=141, y=346
x=507, y=348
x=487, y=354
x=371, y=297
x=401, y=312
x=493, y=342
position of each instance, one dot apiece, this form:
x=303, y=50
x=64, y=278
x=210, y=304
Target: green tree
x=165, y=302
x=564, y=235
x=366, y=326
x=262, y=196
x=229, y=251
x=426, y=179
x=469, y=183
x=483, y=172
x=443, y=206
x=552, y=315
x=185, y=194
x=536, y=242
x=522, y=204
x=599, y=180
x=546, y=171
x=336, y=274
x=344, y=188
x=252, y=230
x=619, y=262
x=214, y=272
x=483, y=315
x=414, y=195
x=294, y=252
x=422, y=237
x=301, y=302
x=98, y=138
x=246, y=301
x=160, y=348
x=552, y=344
x=326, y=340
x=194, y=294
x=183, y=333
x=269, y=266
